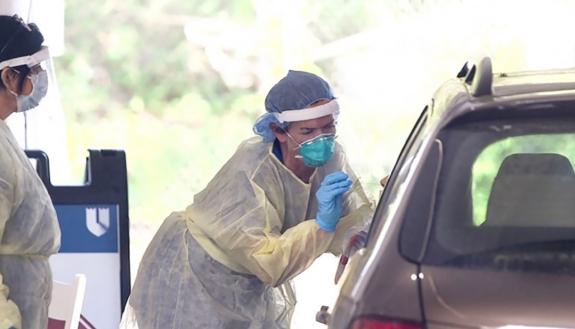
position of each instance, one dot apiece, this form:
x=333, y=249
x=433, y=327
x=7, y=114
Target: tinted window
x=399, y=172
x=416, y=223
x=506, y=196
x=528, y=167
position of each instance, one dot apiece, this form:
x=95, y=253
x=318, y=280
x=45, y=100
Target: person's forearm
x=277, y=259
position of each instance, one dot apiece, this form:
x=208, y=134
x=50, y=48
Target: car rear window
x=525, y=181
x=505, y=197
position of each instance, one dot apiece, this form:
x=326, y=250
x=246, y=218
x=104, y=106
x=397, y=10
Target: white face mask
x=39, y=90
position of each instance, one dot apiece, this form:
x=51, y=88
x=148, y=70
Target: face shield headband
x=331, y=107
x=31, y=60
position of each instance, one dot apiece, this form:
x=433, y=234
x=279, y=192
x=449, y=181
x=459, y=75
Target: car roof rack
x=479, y=77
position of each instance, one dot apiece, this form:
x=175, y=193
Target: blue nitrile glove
x=329, y=199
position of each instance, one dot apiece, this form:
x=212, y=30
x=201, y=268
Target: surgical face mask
x=39, y=90
x=317, y=151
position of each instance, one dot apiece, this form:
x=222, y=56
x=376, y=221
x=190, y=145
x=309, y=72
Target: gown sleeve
x=247, y=227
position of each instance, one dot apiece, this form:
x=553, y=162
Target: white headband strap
x=309, y=113
x=31, y=60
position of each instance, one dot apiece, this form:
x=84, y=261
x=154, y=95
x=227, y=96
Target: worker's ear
x=10, y=79
x=279, y=133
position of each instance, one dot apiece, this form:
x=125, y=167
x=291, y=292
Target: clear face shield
x=318, y=150
x=331, y=107
x=35, y=62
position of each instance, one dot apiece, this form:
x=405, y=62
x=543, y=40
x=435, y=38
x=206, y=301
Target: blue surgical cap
x=297, y=90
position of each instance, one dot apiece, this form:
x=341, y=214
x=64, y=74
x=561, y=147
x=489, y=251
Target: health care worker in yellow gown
x=29, y=231
x=284, y=198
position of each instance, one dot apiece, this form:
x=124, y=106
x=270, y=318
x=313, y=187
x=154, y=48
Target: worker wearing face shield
x=29, y=231
x=284, y=198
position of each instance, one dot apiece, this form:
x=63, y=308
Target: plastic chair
x=66, y=305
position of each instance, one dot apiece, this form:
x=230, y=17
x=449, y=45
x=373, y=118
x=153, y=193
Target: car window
x=400, y=169
x=504, y=196
x=558, y=147
x=416, y=219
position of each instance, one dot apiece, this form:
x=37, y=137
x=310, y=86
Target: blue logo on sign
x=88, y=228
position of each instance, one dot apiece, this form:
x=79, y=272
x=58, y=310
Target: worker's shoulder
x=248, y=155
x=251, y=150
x=254, y=144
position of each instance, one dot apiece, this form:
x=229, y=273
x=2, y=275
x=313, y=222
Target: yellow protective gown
x=226, y=261
x=9, y=314
x=29, y=233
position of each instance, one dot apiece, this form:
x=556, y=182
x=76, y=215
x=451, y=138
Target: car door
x=378, y=279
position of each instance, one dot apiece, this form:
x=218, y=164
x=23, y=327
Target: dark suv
x=476, y=227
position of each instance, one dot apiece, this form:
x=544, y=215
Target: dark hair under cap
x=18, y=39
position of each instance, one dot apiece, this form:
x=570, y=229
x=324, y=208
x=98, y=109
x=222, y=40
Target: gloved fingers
x=339, y=201
x=336, y=186
x=331, y=197
x=334, y=177
x=328, y=193
x=337, y=192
